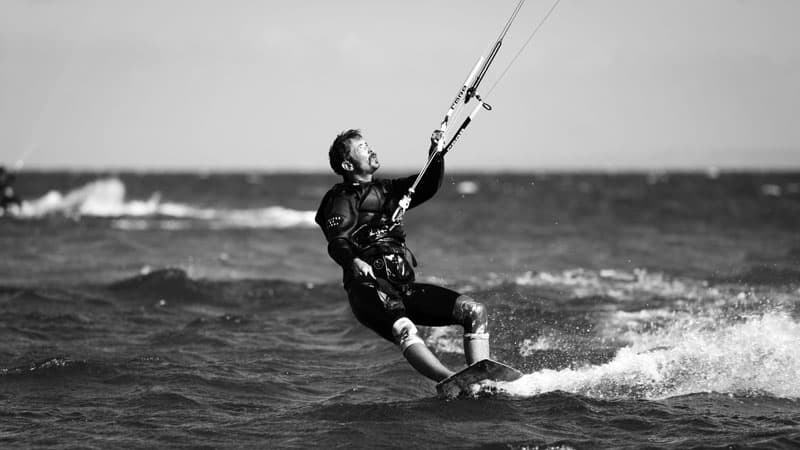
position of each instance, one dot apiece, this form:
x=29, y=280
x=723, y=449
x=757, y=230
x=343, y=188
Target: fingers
x=363, y=269
x=366, y=271
x=437, y=136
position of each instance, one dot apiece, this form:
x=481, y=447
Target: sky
x=266, y=85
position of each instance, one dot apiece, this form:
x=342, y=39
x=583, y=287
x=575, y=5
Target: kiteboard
x=459, y=383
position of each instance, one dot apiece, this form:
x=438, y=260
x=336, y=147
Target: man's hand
x=437, y=142
x=362, y=269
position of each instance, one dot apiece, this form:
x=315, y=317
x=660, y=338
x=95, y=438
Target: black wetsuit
x=7, y=195
x=356, y=220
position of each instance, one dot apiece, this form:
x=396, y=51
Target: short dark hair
x=340, y=149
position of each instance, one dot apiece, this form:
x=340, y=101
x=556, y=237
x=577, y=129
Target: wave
x=160, y=397
x=642, y=284
x=167, y=286
x=57, y=366
x=612, y=334
x=756, y=356
x=765, y=275
x=618, y=284
x=105, y=198
x=172, y=283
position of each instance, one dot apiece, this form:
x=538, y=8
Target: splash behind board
x=487, y=369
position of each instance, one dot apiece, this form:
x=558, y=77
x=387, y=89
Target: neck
x=359, y=178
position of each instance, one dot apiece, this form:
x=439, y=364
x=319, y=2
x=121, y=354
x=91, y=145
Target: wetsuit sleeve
x=337, y=216
x=426, y=188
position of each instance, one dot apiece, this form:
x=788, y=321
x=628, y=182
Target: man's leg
x=416, y=352
x=433, y=305
x=377, y=311
x=473, y=316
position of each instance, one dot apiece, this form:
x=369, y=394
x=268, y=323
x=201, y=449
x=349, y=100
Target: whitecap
x=106, y=198
x=754, y=356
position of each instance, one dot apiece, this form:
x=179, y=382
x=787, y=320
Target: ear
x=347, y=165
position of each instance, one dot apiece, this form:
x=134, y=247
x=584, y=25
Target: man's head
x=351, y=157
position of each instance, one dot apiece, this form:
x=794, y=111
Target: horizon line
x=393, y=171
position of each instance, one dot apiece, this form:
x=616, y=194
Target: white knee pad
x=476, y=336
x=405, y=333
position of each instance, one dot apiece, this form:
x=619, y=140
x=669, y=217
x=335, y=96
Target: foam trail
x=757, y=356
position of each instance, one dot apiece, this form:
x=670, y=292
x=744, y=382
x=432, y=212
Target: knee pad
x=469, y=337
x=474, y=317
x=405, y=333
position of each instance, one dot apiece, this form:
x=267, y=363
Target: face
x=362, y=159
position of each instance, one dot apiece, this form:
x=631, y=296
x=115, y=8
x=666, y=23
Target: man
x=356, y=217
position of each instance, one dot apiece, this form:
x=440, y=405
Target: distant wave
x=617, y=284
x=105, y=198
x=763, y=274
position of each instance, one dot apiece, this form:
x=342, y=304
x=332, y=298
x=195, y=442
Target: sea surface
x=159, y=310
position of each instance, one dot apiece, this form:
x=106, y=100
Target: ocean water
x=201, y=310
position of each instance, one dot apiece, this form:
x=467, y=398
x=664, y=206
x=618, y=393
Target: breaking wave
x=105, y=198
x=755, y=356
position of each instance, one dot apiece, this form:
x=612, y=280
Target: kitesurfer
x=9, y=201
x=356, y=218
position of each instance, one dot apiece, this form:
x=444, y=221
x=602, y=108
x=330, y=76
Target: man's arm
x=337, y=216
x=430, y=182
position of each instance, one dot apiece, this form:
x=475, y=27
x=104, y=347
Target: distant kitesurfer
x=9, y=201
x=356, y=217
